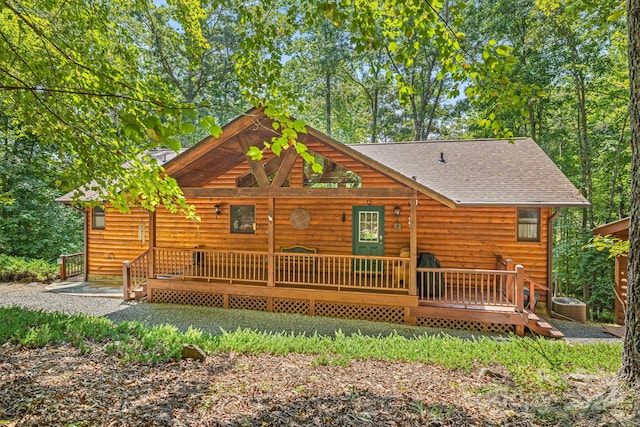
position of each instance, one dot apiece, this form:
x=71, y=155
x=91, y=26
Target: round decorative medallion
x=299, y=219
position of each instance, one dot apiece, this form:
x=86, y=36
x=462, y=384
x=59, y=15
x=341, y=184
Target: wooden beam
x=256, y=167
x=271, y=243
x=86, y=244
x=333, y=296
x=247, y=179
x=299, y=193
x=152, y=243
x=471, y=315
x=413, y=244
x=289, y=159
x=243, y=123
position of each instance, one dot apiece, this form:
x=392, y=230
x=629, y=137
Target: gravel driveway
x=214, y=320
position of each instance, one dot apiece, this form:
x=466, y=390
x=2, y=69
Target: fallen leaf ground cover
x=81, y=370
x=59, y=385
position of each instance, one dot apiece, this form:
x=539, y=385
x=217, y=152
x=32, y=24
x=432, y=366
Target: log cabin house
x=439, y=233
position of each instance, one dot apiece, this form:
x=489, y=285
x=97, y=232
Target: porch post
x=520, y=296
x=510, y=281
x=126, y=280
x=85, y=260
x=152, y=244
x=413, y=245
x=271, y=239
x=520, y=287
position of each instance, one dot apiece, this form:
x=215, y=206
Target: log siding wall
x=107, y=249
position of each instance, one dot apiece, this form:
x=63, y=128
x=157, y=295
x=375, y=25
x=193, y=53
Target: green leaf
x=299, y=126
x=255, y=153
x=504, y=50
x=187, y=128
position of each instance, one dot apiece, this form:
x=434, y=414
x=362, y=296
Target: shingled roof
x=90, y=192
x=477, y=172
x=480, y=172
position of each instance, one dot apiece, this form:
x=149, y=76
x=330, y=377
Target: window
x=332, y=176
x=97, y=218
x=243, y=219
x=528, y=225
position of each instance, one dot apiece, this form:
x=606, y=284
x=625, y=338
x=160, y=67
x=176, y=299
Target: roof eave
x=550, y=204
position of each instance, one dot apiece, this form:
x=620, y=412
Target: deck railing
x=471, y=287
x=342, y=271
x=71, y=265
x=293, y=269
x=211, y=264
x=452, y=286
x=135, y=274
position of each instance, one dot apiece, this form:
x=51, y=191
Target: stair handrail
x=532, y=286
x=134, y=274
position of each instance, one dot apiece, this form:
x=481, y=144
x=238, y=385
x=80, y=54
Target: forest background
x=570, y=59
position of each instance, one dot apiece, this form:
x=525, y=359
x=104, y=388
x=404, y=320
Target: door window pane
x=368, y=223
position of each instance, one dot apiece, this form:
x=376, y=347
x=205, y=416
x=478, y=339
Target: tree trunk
x=616, y=168
x=327, y=98
x=374, y=115
x=630, y=371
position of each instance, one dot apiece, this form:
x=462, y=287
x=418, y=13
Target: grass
x=532, y=363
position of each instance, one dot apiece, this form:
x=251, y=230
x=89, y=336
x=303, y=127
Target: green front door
x=368, y=234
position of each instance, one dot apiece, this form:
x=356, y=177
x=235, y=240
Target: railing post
x=532, y=297
x=519, y=291
x=63, y=267
x=126, y=280
x=509, y=291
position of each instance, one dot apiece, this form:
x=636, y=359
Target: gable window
x=243, y=219
x=97, y=218
x=528, y=225
x=332, y=176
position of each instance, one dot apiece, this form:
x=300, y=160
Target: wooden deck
x=370, y=288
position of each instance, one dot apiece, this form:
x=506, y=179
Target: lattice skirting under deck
x=281, y=305
x=361, y=312
x=464, y=324
x=186, y=297
x=389, y=314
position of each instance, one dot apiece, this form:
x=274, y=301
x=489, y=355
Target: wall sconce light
x=396, y=212
x=344, y=217
x=216, y=209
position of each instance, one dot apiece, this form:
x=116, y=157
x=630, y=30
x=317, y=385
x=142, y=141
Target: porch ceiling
x=227, y=154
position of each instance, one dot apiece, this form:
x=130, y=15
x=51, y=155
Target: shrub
x=14, y=269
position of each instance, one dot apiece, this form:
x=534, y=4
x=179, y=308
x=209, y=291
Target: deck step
x=542, y=327
x=139, y=293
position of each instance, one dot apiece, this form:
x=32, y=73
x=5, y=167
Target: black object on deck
x=433, y=279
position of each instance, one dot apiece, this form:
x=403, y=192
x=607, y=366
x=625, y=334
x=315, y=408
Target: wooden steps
x=542, y=327
x=139, y=293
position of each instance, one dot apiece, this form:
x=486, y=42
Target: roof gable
x=455, y=173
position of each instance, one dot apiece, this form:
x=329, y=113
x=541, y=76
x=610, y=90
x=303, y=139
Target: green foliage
x=614, y=246
x=14, y=269
x=33, y=225
x=533, y=363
